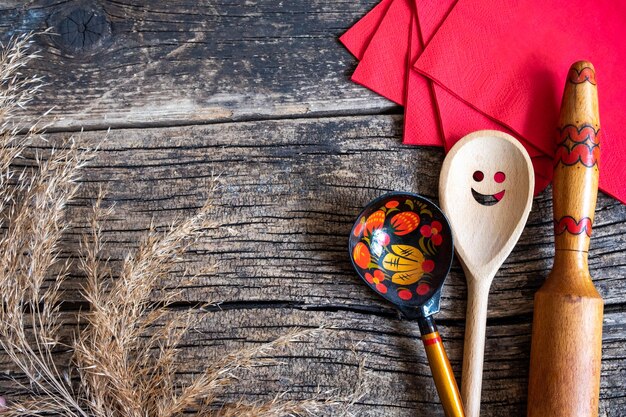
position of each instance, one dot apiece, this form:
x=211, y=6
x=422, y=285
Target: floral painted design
x=405, y=222
x=396, y=247
x=361, y=255
x=433, y=231
x=428, y=265
x=358, y=229
x=423, y=288
x=377, y=279
x=405, y=294
x=405, y=262
x=375, y=221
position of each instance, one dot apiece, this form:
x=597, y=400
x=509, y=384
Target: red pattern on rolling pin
x=569, y=224
x=578, y=145
x=586, y=74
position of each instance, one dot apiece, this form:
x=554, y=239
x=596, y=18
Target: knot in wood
x=82, y=30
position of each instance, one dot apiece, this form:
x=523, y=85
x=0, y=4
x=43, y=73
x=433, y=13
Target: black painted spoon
x=401, y=246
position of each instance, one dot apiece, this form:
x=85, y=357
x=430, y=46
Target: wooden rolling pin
x=566, y=347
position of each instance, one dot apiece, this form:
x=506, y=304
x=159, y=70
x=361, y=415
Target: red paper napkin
x=421, y=119
x=514, y=67
x=449, y=109
x=389, y=72
x=457, y=119
x=391, y=40
x=384, y=64
x=358, y=37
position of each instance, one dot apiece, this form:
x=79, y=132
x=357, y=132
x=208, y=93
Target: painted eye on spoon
x=478, y=176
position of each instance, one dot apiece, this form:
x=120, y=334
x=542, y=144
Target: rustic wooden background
x=256, y=96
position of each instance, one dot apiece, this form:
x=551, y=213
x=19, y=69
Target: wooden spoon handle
x=440, y=367
x=474, y=347
x=575, y=186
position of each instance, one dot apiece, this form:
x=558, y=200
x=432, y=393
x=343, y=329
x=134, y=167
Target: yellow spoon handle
x=442, y=371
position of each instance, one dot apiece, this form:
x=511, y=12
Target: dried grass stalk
x=32, y=202
x=122, y=365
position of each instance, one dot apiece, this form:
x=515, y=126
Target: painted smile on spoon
x=487, y=199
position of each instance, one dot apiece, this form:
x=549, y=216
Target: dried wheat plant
x=121, y=364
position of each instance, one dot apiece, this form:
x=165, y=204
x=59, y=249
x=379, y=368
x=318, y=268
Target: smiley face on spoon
x=487, y=198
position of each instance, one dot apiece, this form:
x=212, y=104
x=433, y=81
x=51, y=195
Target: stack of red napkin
x=466, y=65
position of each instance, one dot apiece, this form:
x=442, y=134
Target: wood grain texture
x=180, y=62
x=566, y=351
x=288, y=193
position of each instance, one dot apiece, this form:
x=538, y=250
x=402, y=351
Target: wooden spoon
x=401, y=246
x=486, y=190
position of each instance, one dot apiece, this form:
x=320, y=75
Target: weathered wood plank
x=288, y=193
x=397, y=375
x=182, y=62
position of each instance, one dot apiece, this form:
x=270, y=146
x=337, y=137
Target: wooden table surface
x=257, y=97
